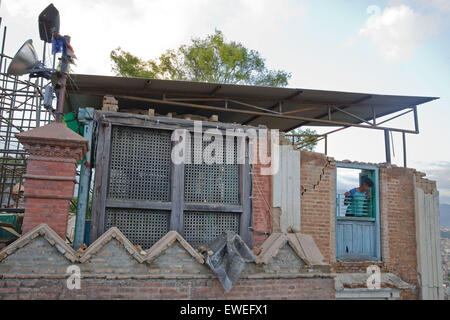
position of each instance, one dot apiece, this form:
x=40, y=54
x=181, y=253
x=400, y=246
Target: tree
x=306, y=139
x=211, y=59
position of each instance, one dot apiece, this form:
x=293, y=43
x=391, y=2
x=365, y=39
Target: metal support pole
x=326, y=145
x=38, y=106
x=86, y=117
x=416, y=119
x=61, y=95
x=374, y=114
x=405, y=163
x=387, y=142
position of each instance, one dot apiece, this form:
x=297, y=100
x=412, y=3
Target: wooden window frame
x=177, y=206
x=377, y=217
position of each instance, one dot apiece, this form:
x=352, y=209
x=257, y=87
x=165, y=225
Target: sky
x=378, y=46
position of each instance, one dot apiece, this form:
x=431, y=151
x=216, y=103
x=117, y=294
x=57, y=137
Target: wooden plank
x=420, y=234
x=105, y=177
x=339, y=237
x=101, y=180
x=138, y=204
x=99, y=169
x=433, y=259
x=128, y=119
x=348, y=238
x=213, y=208
x=11, y=230
x=437, y=233
x=358, y=238
x=246, y=202
x=286, y=188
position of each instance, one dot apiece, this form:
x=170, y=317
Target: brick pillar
x=54, y=152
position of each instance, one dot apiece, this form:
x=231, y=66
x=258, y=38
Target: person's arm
x=348, y=196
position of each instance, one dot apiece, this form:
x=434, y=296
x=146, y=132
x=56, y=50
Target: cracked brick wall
x=318, y=201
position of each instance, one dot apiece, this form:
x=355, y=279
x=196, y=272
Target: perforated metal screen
x=140, y=164
x=203, y=228
x=212, y=183
x=141, y=227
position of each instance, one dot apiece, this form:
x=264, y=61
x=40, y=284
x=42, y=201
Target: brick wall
x=48, y=201
x=50, y=179
x=317, y=201
x=194, y=289
x=36, y=268
x=317, y=177
x=398, y=231
x=397, y=210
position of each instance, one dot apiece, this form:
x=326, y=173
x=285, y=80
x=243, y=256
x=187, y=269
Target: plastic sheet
x=230, y=254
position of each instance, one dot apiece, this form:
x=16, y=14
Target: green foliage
x=127, y=65
x=211, y=59
x=73, y=207
x=306, y=139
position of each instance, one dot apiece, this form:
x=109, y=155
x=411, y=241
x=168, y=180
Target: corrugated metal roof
x=87, y=90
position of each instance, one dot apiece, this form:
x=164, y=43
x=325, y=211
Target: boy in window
x=357, y=199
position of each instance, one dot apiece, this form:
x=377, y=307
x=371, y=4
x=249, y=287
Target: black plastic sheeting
x=230, y=254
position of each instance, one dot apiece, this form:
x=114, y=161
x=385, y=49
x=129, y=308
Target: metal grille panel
x=214, y=183
x=203, y=228
x=140, y=164
x=141, y=227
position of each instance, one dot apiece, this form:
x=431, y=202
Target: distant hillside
x=445, y=215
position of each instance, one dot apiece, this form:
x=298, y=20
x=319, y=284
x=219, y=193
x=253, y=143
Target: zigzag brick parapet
x=171, y=269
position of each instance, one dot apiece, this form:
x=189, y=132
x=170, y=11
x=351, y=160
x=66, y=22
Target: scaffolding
x=21, y=109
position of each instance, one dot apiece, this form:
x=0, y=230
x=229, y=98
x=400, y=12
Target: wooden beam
x=300, y=110
x=101, y=181
x=353, y=116
x=216, y=89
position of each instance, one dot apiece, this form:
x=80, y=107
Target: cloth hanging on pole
x=57, y=45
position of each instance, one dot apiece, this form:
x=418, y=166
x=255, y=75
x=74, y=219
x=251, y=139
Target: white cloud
x=397, y=31
x=441, y=6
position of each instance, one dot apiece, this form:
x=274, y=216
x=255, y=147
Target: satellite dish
x=25, y=60
x=48, y=23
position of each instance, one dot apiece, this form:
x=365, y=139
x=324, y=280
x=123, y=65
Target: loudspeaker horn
x=25, y=61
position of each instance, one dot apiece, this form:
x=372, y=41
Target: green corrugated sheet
x=10, y=219
x=72, y=123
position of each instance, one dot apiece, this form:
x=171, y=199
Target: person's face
x=365, y=187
